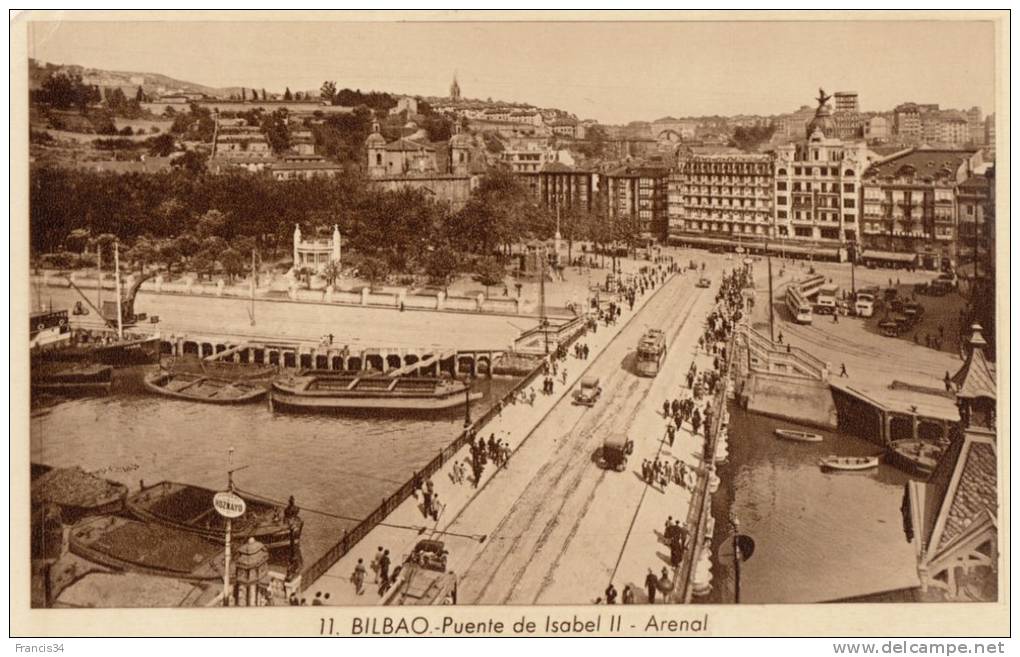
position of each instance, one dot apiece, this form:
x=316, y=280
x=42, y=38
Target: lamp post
x=467, y=402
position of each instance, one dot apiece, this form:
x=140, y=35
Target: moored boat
x=126, y=544
x=190, y=509
x=78, y=493
x=834, y=462
x=799, y=436
x=70, y=377
x=916, y=455
x=379, y=392
x=202, y=388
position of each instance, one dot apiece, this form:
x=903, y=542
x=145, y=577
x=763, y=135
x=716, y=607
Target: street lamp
x=467, y=401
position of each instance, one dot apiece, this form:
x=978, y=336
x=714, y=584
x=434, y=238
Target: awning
x=803, y=250
x=717, y=241
x=889, y=256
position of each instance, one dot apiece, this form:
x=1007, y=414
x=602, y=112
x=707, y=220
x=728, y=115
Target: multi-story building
x=637, y=196
x=909, y=203
x=976, y=126
x=559, y=186
x=817, y=185
x=847, y=115
x=564, y=127
x=721, y=197
x=975, y=202
x=955, y=131
x=907, y=122
x=990, y=131
x=877, y=129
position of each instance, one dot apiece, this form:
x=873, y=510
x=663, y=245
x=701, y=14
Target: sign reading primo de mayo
x=228, y=505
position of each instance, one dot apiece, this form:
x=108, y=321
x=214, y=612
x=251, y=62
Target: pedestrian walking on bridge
x=651, y=584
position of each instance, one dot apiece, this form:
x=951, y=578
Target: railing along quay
x=389, y=504
x=701, y=502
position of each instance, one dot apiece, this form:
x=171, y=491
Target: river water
x=818, y=536
x=340, y=464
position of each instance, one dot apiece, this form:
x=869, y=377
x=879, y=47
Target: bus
x=651, y=351
x=809, y=287
x=825, y=304
x=800, y=307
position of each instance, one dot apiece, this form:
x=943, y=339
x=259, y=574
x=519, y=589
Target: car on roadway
x=588, y=392
x=704, y=282
x=615, y=450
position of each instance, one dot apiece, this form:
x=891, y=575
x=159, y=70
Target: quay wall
x=794, y=398
x=391, y=298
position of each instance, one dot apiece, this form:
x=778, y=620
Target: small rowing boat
x=202, y=388
x=799, y=436
x=848, y=462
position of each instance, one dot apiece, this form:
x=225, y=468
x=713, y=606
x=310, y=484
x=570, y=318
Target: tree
x=211, y=224
x=328, y=91
x=162, y=145
x=287, y=95
x=140, y=95
x=373, y=268
x=331, y=272
x=274, y=126
x=142, y=252
x=232, y=261
x=264, y=97
x=168, y=253
x=442, y=264
x=489, y=271
x=191, y=161
x=78, y=240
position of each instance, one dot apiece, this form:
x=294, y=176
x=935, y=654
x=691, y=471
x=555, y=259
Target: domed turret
x=375, y=140
x=822, y=121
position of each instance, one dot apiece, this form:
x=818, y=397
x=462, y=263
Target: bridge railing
x=389, y=504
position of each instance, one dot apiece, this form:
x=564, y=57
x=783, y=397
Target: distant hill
x=153, y=84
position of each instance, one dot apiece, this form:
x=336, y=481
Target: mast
x=120, y=317
x=251, y=312
x=541, y=300
x=99, y=263
x=772, y=313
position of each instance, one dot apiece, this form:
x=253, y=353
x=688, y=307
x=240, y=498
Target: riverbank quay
x=842, y=374
x=406, y=523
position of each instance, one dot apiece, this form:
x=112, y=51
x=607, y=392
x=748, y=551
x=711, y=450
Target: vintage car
x=588, y=392
x=615, y=449
x=704, y=282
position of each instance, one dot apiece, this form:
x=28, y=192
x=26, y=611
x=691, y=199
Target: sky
x=613, y=72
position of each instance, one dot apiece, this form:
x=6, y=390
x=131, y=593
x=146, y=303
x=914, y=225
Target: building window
x=848, y=187
x=781, y=214
x=796, y=171
x=781, y=172
x=833, y=171
x=781, y=186
x=848, y=203
x=780, y=200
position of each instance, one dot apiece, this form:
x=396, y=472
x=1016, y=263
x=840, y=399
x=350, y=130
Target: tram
x=651, y=351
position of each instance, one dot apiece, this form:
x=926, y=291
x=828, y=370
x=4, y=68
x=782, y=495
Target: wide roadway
x=556, y=521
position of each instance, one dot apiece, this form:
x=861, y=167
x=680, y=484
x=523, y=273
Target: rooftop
x=924, y=162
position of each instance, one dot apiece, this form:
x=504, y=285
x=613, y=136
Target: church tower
x=460, y=151
x=376, y=147
x=454, y=89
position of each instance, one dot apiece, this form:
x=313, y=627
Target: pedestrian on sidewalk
x=665, y=408
x=651, y=584
x=358, y=577
x=628, y=595
x=384, y=567
x=610, y=594
x=670, y=432
x=377, y=564
x=435, y=508
x=842, y=370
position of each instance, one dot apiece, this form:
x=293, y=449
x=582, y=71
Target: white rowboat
x=799, y=436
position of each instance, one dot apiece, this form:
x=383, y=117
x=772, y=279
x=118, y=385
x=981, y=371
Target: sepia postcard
x=455, y=323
